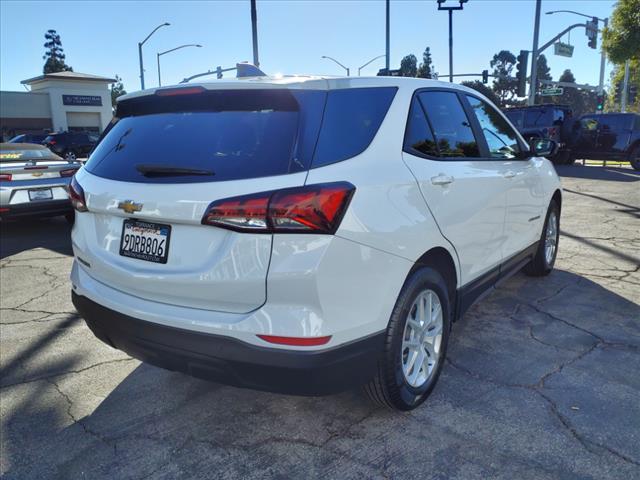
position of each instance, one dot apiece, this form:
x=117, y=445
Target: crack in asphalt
x=66, y=372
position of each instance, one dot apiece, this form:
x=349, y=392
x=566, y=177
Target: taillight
x=69, y=172
x=51, y=142
x=172, y=92
x=5, y=177
x=76, y=195
x=309, y=209
x=296, y=341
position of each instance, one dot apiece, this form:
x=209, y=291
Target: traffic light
x=591, y=31
x=521, y=72
x=485, y=76
x=600, y=102
x=633, y=93
x=618, y=92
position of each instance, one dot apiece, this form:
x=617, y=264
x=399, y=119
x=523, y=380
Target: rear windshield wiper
x=151, y=170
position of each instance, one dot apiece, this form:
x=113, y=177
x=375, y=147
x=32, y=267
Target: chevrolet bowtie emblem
x=129, y=206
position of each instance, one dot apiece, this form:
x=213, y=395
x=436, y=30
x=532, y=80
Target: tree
x=543, y=69
x=54, y=56
x=580, y=101
x=409, y=66
x=621, y=39
x=117, y=90
x=425, y=70
x=478, y=86
x=505, y=88
x=617, y=79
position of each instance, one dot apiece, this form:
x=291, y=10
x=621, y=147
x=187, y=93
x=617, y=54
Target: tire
x=561, y=158
x=634, y=158
x=70, y=218
x=391, y=387
x=542, y=264
x=70, y=155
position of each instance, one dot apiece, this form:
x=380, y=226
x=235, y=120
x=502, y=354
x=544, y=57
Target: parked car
x=549, y=121
x=36, y=138
x=34, y=182
x=314, y=234
x=608, y=136
x=71, y=145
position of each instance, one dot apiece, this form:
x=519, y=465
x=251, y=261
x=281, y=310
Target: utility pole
x=625, y=88
x=388, y=40
x=254, y=32
x=166, y=24
x=534, y=59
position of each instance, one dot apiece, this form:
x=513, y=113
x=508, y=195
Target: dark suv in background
x=553, y=122
x=71, y=145
x=36, y=138
x=608, y=136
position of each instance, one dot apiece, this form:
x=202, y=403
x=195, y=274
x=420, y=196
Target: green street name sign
x=563, y=49
x=550, y=92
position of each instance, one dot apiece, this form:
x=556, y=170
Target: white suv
x=304, y=234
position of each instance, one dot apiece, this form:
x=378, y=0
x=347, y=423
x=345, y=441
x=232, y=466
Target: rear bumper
x=234, y=362
x=42, y=208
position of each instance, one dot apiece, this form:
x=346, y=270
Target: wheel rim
x=422, y=339
x=551, y=238
x=70, y=156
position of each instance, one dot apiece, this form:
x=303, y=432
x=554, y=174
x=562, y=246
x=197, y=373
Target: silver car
x=34, y=181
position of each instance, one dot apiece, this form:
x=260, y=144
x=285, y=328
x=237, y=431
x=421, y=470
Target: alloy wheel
x=422, y=338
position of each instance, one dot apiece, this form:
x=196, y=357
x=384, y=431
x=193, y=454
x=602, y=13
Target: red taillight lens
x=51, y=142
x=69, y=172
x=76, y=194
x=296, y=341
x=309, y=209
x=5, y=177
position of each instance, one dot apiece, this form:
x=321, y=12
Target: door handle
x=509, y=174
x=441, y=180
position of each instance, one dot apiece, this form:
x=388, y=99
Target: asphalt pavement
x=542, y=379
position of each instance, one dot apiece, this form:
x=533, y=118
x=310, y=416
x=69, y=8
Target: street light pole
x=450, y=10
x=388, y=39
x=336, y=61
x=166, y=24
x=372, y=60
x=534, y=57
x=169, y=51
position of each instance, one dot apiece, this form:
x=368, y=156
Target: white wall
x=57, y=88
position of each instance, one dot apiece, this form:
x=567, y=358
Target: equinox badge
x=129, y=206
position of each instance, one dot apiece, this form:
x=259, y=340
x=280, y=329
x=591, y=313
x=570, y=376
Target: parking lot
x=541, y=380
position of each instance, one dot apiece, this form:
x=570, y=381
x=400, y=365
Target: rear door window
x=419, y=137
x=351, y=120
x=450, y=125
x=232, y=134
x=501, y=138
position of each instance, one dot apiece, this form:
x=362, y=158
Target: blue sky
x=100, y=37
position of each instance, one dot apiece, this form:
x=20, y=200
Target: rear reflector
x=296, y=341
x=69, y=172
x=76, y=195
x=171, y=92
x=4, y=210
x=310, y=209
x=5, y=177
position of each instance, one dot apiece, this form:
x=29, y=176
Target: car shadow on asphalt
x=26, y=234
x=611, y=174
x=148, y=421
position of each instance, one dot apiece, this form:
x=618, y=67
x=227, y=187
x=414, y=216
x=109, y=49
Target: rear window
x=538, y=118
x=17, y=155
x=234, y=134
x=238, y=134
x=516, y=117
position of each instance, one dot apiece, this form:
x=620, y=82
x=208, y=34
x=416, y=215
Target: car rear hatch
x=165, y=158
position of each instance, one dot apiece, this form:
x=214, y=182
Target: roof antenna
x=245, y=69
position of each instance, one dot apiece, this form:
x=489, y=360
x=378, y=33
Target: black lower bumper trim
x=233, y=362
x=47, y=208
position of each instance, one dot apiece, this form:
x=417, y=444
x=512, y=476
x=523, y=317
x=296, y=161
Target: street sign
x=550, y=92
x=563, y=49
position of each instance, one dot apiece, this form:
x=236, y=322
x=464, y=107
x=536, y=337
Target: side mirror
x=542, y=147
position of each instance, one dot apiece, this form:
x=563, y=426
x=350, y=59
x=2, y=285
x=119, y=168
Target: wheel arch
x=443, y=261
x=557, y=197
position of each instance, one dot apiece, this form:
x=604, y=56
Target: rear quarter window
x=351, y=120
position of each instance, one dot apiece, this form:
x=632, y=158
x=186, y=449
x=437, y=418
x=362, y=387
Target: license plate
x=40, y=194
x=145, y=241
